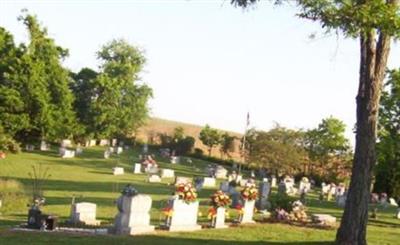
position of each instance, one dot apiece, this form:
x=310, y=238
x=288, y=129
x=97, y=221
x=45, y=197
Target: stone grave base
x=184, y=228
x=138, y=230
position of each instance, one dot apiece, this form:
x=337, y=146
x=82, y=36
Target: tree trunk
x=353, y=227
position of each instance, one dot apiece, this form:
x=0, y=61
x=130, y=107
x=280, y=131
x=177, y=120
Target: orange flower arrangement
x=249, y=193
x=186, y=192
x=220, y=199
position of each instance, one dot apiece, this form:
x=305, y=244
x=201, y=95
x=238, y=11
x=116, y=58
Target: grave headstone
x=341, y=200
x=167, y=173
x=323, y=219
x=305, y=185
x=392, y=202
x=118, y=171
x=224, y=186
x=68, y=154
x=138, y=168
x=90, y=143
x=282, y=188
x=219, y=220
x=263, y=191
x=84, y=212
x=79, y=150
x=104, y=142
x=184, y=216
x=220, y=172
x=398, y=213
x=44, y=146
x=175, y=160
x=243, y=182
x=209, y=182
x=133, y=217
x=235, y=197
x=154, y=178
x=107, y=154
x=248, y=212
x=182, y=180
x=114, y=142
x=273, y=182
x=29, y=147
x=119, y=150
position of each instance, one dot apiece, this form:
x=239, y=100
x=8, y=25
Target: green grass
x=89, y=177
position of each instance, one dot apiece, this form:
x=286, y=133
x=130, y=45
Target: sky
x=211, y=63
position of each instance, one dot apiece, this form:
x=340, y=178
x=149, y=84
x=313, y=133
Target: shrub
x=282, y=201
x=8, y=144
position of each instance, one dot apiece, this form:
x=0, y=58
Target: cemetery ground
x=89, y=178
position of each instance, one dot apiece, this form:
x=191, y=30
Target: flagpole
x=244, y=142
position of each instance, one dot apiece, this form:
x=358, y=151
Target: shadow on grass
x=35, y=238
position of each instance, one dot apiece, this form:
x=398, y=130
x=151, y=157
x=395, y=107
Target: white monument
x=219, y=220
x=133, y=217
x=154, y=178
x=118, y=171
x=182, y=180
x=67, y=154
x=209, y=182
x=184, y=216
x=248, y=212
x=84, y=212
x=66, y=143
x=167, y=173
x=138, y=168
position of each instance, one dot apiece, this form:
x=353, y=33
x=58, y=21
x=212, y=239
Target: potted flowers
x=219, y=201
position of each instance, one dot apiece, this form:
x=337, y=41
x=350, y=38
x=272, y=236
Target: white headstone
x=118, y=171
x=209, y=182
x=398, y=213
x=184, y=216
x=175, y=160
x=273, y=182
x=220, y=172
x=138, y=168
x=248, y=212
x=84, y=212
x=167, y=173
x=154, y=179
x=104, y=142
x=44, y=146
x=113, y=142
x=243, y=182
x=323, y=219
x=133, y=217
x=107, y=154
x=119, y=150
x=392, y=202
x=68, y=154
x=341, y=201
x=219, y=221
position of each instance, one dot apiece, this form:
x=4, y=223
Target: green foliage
x=7, y=143
x=119, y=106
x=210, y=137
x=282, y=200
x=279, y=149
x=388, y=147
x=227, y=144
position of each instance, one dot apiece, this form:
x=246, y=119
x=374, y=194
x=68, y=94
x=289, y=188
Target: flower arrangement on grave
x=220, y=199
x=249, y=193
x=186, y=192
x=298, y=212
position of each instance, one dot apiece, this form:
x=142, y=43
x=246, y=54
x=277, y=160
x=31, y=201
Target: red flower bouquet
x=249, y=193
x=186, y=192
x=220, y=199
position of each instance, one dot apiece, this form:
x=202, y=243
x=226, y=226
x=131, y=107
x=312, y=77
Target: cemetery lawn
x=89, y=178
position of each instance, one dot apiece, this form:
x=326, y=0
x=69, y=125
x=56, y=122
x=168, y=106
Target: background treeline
x=40, y=99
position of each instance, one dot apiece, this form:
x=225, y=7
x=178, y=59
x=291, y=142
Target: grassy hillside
x=89, y=178
x=156, y=126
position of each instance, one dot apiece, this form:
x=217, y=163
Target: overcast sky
x=209, y=62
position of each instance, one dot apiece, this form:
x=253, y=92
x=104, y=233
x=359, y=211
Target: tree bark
x=373, y=60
